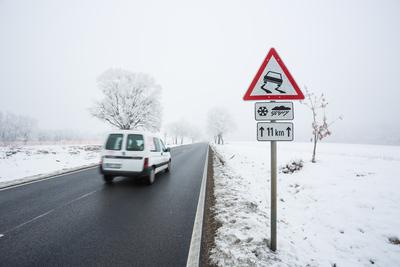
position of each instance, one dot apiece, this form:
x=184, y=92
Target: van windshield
x=114, y=142
x=135, y=142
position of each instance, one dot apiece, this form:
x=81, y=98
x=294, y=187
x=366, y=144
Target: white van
x=134, y=153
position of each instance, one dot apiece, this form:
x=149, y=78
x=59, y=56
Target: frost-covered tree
x=26, y=128
x=219, y=122
x=9, y=127
x=194, y=133
x=183, y=129
x=320, y=124
x=131, y=100
x=180, y=130
x=171, y=130
x=15, y=127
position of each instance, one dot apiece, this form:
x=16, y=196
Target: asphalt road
x=77, y=220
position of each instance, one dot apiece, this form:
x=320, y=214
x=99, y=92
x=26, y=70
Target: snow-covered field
x=341, y=211
x=23, y=163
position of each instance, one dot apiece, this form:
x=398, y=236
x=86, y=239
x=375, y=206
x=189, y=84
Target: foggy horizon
x=204, y=54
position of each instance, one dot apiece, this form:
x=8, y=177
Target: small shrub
x=94, y=148
x=394, y=240
x=293, y=166
x=11, y=152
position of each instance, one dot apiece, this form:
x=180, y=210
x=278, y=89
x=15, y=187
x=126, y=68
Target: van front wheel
x=168, y=169
x=151, y=177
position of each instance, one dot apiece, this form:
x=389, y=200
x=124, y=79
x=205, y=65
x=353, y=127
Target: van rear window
x=135, y=142
x=114, y=142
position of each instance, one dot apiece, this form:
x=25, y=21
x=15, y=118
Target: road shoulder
x=210, y=224
x=196, y=239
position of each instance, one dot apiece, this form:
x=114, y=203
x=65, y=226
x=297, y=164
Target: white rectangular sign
x=266, y=111
x=274, y=131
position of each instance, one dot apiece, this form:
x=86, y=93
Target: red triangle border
x=248, y=96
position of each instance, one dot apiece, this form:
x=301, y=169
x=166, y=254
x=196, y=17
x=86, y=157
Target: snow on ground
x=24, y=163
x=341, y=211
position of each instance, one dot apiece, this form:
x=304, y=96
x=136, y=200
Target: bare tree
x=320, y=127
x=131, y=100
x=219, y=122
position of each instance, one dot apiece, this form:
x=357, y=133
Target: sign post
x=273, y=195
x=273, y=82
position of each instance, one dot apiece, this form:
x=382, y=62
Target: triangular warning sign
x=273, y=81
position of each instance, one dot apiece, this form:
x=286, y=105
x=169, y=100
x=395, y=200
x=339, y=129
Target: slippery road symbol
x=280, y=111
x=272, y=81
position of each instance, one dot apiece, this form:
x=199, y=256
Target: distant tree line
x=180, y=131
x=23, y=129
x=219, y=123
x=15, y=127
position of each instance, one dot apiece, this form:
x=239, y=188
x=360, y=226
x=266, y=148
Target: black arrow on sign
x=262, y=131
x=288, y=129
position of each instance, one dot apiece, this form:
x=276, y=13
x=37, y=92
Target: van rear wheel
x=151, y=177
x=108, y=179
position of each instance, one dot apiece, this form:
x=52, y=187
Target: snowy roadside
x=341, y=211
x=20, y=164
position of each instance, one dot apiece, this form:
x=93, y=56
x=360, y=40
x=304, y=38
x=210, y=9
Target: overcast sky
x=204, y=54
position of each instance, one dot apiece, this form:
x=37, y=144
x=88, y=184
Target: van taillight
x=146, y=163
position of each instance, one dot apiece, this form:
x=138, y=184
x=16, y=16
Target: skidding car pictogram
x=275, y=80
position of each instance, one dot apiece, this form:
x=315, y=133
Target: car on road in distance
x=134, y=153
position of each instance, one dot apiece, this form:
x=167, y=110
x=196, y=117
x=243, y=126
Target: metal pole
x=273, y=195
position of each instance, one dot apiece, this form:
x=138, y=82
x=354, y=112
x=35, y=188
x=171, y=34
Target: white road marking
x=29, y=221
x=78, y=198
x=48, y=178
x=48, y=212
x=195, y=242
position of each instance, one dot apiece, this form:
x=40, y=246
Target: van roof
x=133, y=132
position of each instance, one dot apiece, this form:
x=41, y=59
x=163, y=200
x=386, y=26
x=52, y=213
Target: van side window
x=134, y=142
x=114, y=142
x=150, y=144
x=156, y=145
x=163, y=148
